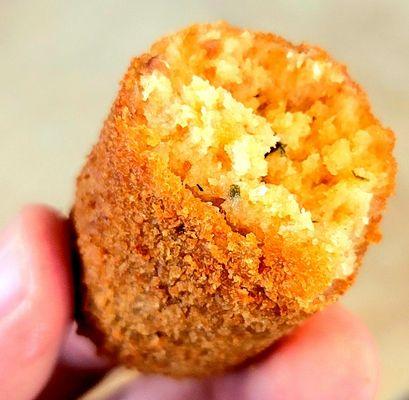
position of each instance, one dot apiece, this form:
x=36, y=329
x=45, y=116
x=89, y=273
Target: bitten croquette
x=235, y=187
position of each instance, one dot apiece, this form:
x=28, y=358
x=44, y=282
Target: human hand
x=332, y=356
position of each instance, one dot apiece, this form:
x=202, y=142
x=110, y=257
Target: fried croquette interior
x=274, y=136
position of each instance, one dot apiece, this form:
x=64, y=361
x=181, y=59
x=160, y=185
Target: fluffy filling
x=272, y=136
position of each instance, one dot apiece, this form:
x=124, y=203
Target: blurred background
x=60, y=64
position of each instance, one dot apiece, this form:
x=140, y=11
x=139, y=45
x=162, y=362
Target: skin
x=331, y=356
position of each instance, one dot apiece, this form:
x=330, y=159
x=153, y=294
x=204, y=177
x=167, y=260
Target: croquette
x=234, y=189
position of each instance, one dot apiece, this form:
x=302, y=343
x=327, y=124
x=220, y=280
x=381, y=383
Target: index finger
x=35, y=300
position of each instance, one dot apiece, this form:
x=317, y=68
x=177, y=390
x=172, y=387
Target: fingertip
x=32, y=330
x=331, y=356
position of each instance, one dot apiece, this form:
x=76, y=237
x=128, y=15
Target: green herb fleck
x=362, y=178
x=234, y=191
x=279, y=146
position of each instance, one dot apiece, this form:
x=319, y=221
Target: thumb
x=35, y=300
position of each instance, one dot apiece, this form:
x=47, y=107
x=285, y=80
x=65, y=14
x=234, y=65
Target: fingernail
x=12, y=288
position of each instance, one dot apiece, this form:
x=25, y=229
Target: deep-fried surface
x=192, y=261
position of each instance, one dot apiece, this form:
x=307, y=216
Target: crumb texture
x=236, y=185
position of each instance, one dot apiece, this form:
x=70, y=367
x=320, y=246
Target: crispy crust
x=167, y=285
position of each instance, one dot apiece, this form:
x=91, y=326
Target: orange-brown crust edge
x=167, y=285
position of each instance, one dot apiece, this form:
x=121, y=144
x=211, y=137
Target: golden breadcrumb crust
x=170, y=285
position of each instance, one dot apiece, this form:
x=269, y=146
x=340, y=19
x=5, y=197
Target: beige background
x=60, y=62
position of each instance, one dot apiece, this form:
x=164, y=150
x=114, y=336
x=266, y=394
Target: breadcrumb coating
x=234, y=189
